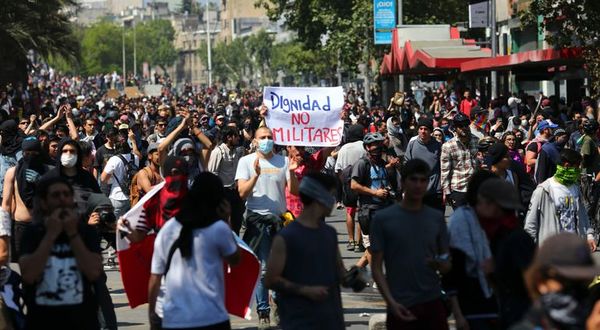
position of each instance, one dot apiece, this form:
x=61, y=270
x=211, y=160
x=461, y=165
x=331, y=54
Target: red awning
x=542, y=57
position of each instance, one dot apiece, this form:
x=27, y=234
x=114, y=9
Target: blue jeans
x=120, y=207
x=262, y=293
x=6, y=162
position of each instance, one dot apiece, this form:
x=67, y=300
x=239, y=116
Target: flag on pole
x=135, y=260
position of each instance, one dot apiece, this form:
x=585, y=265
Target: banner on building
x=384, y=21
x=305, y=116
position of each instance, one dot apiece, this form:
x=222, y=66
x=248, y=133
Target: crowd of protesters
x=515, y=174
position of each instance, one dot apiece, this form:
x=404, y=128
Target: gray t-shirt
x=348, y=155
x=268, y=195
x=430, y=153
x=408, y=239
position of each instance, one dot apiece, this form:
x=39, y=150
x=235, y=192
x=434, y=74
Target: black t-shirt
x=63, y=297
x=103, y=154
x=83, y=185
x=374, y=177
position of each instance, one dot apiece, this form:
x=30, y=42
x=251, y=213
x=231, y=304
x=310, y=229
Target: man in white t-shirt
x=556, y=205
x=115, y=174
x=261, y=179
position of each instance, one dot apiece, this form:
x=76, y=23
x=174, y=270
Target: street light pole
x=494, y=39
x=124, y=73
x=134, y=51
x=208, y=46
x=400, y=77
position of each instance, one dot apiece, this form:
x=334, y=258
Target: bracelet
x=71, y=237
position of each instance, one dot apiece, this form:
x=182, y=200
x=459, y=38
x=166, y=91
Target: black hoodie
x=83, y=182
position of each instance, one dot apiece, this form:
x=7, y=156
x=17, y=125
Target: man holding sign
x=261, y=179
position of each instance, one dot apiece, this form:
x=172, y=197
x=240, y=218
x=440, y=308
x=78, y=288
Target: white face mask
x=524, y=122
x=68, y=160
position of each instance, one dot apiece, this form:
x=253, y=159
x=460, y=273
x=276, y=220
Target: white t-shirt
x=116, y=167
x=566, y=202
x=268, y=195
x=194, y=288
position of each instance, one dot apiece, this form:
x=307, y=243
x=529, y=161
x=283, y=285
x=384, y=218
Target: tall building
x=240, y=18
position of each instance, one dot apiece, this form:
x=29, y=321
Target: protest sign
x=132, y=92
x=113, y=94
x=153, y=90
x=305, y=116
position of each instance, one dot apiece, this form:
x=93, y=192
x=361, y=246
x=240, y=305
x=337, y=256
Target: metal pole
x=134, y=51
x=124, y=73
x=494, y=74
x=208, y=50
x=400, y=77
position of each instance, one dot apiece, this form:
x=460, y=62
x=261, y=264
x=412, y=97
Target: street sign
x=478, y=15
x=384, y=21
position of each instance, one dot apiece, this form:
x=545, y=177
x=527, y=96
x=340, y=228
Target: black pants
x=18, y=228
x=457, y=199
x=106, y=313
x=238, y=208
x=435, y=201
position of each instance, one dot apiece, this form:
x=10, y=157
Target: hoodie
x=542, y=220
x=83, y=182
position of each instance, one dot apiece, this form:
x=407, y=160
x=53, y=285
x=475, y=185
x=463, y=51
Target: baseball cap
x=546, y=124
x=123, y=126
x=501, y=192
x=152, y=147
x=568, y=255
x=560, y=131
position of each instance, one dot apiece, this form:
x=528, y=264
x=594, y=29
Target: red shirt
x=314, y=162
x=466, y=106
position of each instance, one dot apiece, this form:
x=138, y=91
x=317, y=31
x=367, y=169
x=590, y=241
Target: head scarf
x=11, y=137
x=29, y=170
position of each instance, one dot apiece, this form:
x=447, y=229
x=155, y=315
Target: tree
x=230, y=61
x=570, y=23
x=155, y=43
x=41, y=26
x=344, y=28
x=101, y=46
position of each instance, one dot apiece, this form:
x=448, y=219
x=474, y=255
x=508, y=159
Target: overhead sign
x=305, y=116
x=479, y=15
x=384, y=21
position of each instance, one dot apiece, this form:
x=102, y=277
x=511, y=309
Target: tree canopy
x=570, y=23
x=41, y=26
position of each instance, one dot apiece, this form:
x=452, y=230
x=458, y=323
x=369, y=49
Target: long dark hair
x=199, y=208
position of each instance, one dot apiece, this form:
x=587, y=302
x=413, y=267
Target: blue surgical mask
x=265, y=146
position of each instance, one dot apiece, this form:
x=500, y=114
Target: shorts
x=351, y=210
x=366, y=242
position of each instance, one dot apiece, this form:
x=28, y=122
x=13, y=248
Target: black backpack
x=130, y=170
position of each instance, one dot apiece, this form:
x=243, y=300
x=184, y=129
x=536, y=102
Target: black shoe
x=350, y=246
x=359, y=248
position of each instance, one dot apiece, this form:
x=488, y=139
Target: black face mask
x=568, y=306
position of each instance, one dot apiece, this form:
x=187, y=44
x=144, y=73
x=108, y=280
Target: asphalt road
x=358, y=307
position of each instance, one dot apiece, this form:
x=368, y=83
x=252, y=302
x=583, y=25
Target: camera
x=355, y=279
x=392, y=194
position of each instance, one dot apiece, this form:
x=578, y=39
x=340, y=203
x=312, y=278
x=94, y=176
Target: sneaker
x=339, y=206
x=350, y=246
x=264, y=322
x=359, y=248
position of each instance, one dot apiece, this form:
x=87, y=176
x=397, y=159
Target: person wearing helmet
x=458, y=161
x=374, y=181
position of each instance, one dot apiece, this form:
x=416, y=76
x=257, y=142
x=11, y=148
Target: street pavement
x=358, y=307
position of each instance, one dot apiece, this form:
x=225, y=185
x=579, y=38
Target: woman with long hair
x=188, y=257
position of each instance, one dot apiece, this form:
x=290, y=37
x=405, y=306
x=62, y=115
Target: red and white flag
x=135, y=260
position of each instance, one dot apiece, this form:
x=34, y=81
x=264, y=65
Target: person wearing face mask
x=309, y=297
x=261, y=180
x=20, y=183
x=557, y=205
x=457, y=162
x=375, y=183
x=558, y=281
x=70, y=167
x=590, y=167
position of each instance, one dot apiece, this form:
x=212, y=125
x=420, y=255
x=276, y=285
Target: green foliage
x=348, y=24
x=102, y=47
x=42, y=26
x=571, y=23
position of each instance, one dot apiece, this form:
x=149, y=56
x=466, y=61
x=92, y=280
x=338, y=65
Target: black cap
x=496, y=153
x=427, y=122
